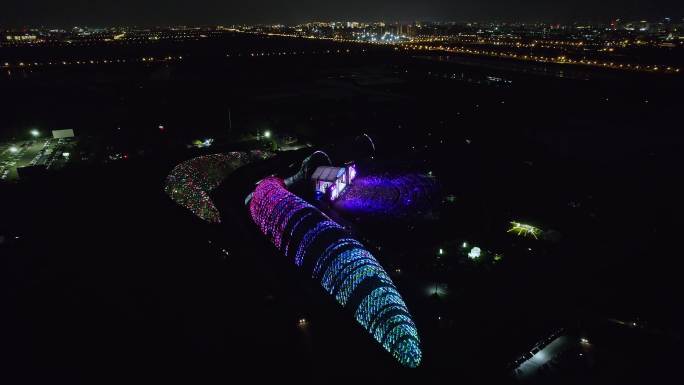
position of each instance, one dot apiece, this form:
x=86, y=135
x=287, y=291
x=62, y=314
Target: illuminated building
x=21, y=38
x=332, y=181
x=61, y=134
x=345, y=269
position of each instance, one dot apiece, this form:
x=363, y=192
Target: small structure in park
x=331, y=181
x=525, y=230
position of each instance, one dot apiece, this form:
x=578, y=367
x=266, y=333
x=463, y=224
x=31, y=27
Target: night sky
x=65, y=13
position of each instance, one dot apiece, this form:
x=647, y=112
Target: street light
x=267, y=134
x=35, y=133
x=13, y=149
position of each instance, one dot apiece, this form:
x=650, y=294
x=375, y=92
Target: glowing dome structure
x=344, y=267
x=190, y=183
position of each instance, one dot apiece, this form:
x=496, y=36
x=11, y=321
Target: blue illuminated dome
x=344, y=267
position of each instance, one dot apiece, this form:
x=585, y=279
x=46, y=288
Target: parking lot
x=41, y=152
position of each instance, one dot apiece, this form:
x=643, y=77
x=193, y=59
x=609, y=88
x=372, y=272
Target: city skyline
x=209, y=12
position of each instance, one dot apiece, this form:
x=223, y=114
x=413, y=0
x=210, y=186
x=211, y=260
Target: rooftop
x=328, y=173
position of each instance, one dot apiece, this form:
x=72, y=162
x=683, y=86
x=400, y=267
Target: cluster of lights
x=525, y=230
x=387, y=37
x=286, y=53
x=561, y=59
x=118, y=38
x=190, y=183
x=164, y=59
x=516, y=42
x=474, y=253
x=346, y=270
x=398, y=41
x=146, y=59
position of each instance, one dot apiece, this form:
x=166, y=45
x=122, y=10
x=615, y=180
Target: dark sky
x=163, y=12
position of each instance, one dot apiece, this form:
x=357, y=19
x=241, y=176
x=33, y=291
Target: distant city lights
x=496, y=41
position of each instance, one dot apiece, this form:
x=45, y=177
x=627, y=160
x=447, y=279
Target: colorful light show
x=393, y=196
x=190, y=183
x=524, y=230
x=344, y=267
